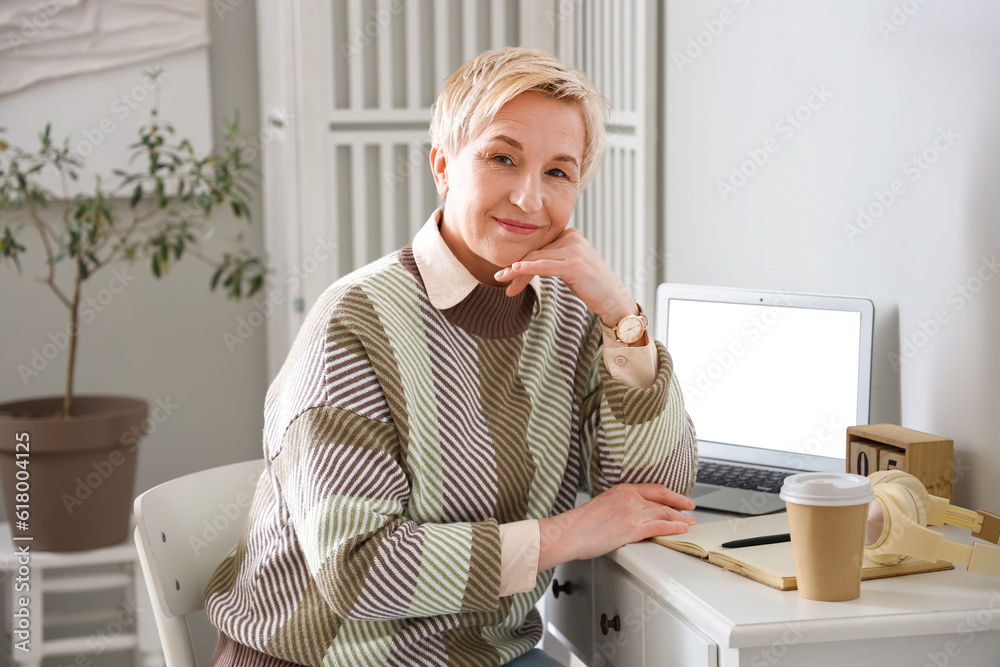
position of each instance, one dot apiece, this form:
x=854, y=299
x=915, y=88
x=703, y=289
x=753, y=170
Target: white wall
x=162, y=339
x=888, y=80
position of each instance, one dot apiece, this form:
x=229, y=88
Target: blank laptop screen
x=768, y=377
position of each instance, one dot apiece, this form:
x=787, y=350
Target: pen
x=755, y=541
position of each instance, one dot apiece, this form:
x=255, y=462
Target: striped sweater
x=397, y=438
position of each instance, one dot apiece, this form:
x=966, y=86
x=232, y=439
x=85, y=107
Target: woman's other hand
x=623, y=514
x=571, y=257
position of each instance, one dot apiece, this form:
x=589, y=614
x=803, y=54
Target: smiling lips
x=516, y=226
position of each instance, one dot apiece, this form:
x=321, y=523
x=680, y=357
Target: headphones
x=898, y=520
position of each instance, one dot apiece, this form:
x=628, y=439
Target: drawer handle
x=558, y=588
x=614, y=624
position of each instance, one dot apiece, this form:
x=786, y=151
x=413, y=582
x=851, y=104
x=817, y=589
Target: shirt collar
x=446, y=279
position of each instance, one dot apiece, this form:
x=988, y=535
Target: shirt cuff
x=519, y=546
x=634, y=366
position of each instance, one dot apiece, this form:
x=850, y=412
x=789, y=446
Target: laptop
x=771, y=381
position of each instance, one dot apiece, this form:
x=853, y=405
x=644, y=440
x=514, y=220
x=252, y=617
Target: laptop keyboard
x=741, y=477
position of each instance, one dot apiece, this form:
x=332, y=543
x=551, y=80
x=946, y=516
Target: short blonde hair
x=472, y=96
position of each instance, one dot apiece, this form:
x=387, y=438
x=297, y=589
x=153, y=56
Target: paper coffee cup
x=827, y=512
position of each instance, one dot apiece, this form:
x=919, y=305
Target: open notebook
x=770, y=564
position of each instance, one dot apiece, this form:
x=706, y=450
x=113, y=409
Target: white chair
x=184, y=529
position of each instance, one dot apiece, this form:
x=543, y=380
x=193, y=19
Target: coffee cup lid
x=827, y=489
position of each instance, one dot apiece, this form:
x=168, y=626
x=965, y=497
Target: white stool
x=125, y=626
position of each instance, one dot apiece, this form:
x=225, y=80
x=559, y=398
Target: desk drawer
x=673, y=642
x=617, y=619
x=570, y=611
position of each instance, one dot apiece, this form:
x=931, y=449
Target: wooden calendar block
x=927, y=457
x=891, y=458
x=863, y=457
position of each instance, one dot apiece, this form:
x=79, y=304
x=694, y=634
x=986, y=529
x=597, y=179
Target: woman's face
x=511, y=190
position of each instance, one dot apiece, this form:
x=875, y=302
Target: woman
x=426, y=437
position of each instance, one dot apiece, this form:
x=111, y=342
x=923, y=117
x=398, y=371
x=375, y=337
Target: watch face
x=630, y=329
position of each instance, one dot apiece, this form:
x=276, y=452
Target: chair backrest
x=184, y=529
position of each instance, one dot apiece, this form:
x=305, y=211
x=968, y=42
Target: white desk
x=674, y=609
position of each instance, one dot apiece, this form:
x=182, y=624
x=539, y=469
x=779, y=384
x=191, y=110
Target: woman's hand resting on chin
x=571, y=257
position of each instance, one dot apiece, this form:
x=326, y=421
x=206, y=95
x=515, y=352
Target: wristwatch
x=631, y=327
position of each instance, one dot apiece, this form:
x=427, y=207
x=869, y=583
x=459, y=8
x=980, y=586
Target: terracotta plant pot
x=70, y=481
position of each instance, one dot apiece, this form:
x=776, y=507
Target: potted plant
x=67, y=463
